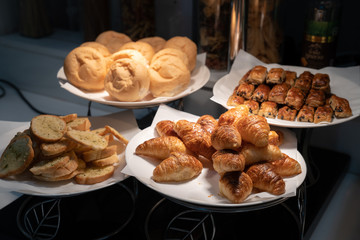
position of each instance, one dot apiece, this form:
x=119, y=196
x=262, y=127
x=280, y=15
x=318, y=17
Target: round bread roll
x=186, y=45
x=144, y=48
x=98, y=46
x=127, y=80
x=129, y=53
x=156, y=42
x=172, y=52
x=168, y=76
x=85, y=68
x=112, y=40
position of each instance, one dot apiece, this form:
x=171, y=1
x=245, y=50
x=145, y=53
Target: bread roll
x=127, y=80
x=172, y=52
x=186, y=45
x=169, y=76
x=144, y=48
x=112, y=40
x=85, y=68
x=156, y=42
x=128, y=53
x=98, y=46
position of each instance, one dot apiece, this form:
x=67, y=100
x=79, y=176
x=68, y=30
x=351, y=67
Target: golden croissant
x=160, y=147
x=265, y=179
x=195, y=138
x=231, y=116
x=228, y=161
x=208, y=123
x=254, y=129
x=177, y=167
x=165, y=128
x=286, y=166
x=226, y=137
x=276, y=138
x=253, y=154
x=235, y=186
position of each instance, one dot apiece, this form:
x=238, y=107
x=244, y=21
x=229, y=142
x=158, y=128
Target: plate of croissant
x=234, y=161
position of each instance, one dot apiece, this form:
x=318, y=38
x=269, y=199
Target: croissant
x=253, y=154
x=235, y=186
x=228, y=161
x=254, y=129
x=226, y=137
x=195, y=138
x=160, y=147
x=177, y=167
x=286, y=166
x=208, y=123
x=165, y=128
x=265, y=179
x=276, y=138
x=231, y=116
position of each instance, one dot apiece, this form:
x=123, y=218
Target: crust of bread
x=113, y=159
x=99, y=154
x=69, y=117
x=82, y=124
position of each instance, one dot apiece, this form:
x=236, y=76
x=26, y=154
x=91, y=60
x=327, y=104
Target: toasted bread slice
x=82, y=124
x=116, y=134
x=98, y=154
x=17, y=156
x=92, y=175
x=48, y=128
x=48, y=166
x=113, y=159
x=57, y=148
x=88, y=138
x=69, y=117
x=66, y=169
x=56, y=179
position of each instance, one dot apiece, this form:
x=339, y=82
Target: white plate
x=204, y=189
x=26, y=184
x=344, y=82
x=199, y=77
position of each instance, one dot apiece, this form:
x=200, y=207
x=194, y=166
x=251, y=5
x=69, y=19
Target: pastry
x=254, y=129
x=235, y=100
x=276, y=137
x=321, y=81
x=275, y=76
x=195, y=138
x=208, y=123
x=112, y=40
x=144, y=48
x=127, y=80
x=286, y=166
x=253, y=154
x=168, y=76
x=160, y=147
x=235, y=186
x=253, y=106
x=304, y=81
x=226, y=137
x=245, y=90
x=156, y=42
x=287, y=113
x=233, y=114
x=85, y=68
x=186, y=45
x=340, y=106
x=265, y=179
x=261, y=93
x=268, y=109
x=257, y=75
x=323, y=114
x=315, y=98
x=178, y=167
x=278, y=93
x=295, y=98
x=306, y=114
x=165, y=128
x=228, y=161
x=290, y=78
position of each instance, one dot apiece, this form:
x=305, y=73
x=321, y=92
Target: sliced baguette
x=82, y=124
x=49, y=166
x=98, y=154
x=69, y=117
x=92, y=175
x=113, y=159
x=17, y=156
x=48, y=128
x=116, y=134
x=66, y=169
x=88, y=138
x=56, y=179
x=57, y=148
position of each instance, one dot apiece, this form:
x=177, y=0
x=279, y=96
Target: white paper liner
x=344, y=82
x=204, y=189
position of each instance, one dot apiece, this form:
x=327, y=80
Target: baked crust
x=268, y=109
